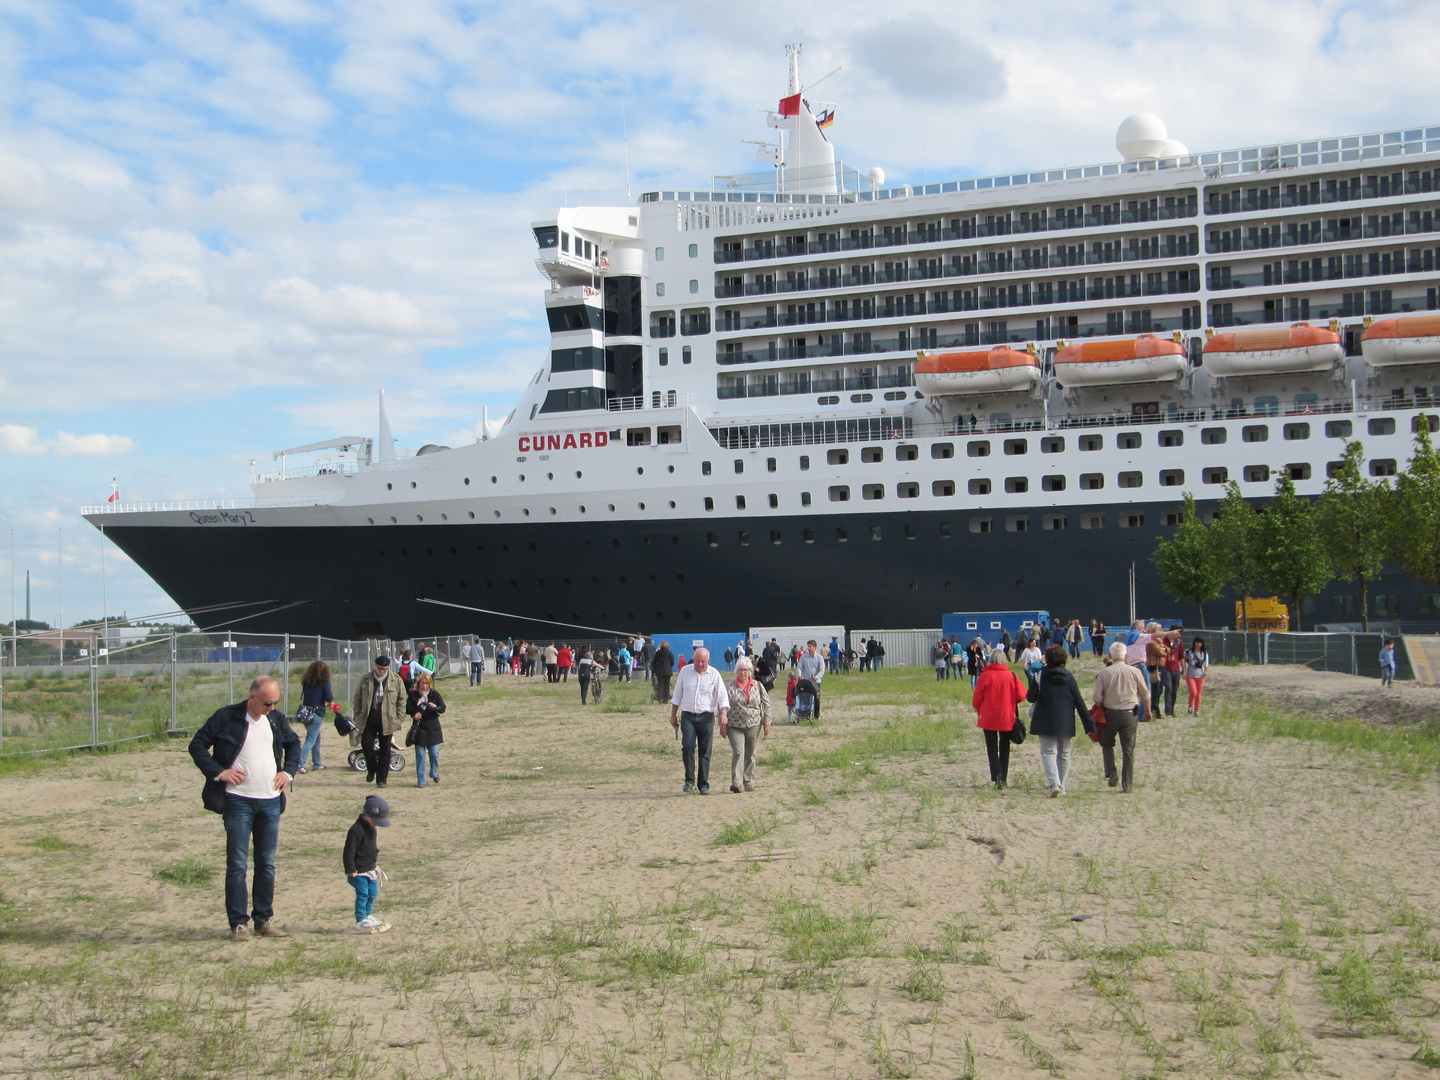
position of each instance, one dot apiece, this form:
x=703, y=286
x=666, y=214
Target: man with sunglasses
x=249, y=754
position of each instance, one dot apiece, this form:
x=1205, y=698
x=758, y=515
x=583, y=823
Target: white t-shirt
x=1032, y=655
x=257, y=760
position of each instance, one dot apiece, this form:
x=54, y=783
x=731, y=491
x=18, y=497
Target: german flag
x=825, y=119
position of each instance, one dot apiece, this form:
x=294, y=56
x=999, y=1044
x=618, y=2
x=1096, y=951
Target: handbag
x=1097, y=714
x=410, y=735
x=1017, y=733
x=342, y=724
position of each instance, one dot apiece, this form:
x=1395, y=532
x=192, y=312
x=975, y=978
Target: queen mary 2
x=803, y=395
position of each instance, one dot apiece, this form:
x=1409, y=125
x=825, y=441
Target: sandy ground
x=1256, y=906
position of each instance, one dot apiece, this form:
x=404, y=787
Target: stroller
x=804, y=701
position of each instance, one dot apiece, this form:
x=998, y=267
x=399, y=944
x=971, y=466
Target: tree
x=1187, y=562
x=1232, y=542
x=1417, y=512
x=1356, y=525
x=1289, y=554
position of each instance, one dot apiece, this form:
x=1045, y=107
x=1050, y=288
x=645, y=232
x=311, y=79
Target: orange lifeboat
x=1300, y=347
x=986, y=371
x=1106, y=363
x=1391, y=342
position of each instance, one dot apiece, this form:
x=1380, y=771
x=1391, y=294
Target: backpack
x=405, y=671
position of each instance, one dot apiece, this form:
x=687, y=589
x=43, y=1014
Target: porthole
x=522, y=477
x=582, y=508
x=389, y=487
x=472, y=515
x=549, y=476
x=412, y=483
x=672, y=504
x=370, y=520
x=526, y=511
x=552, y=510
x=494, y=479
x=672, y=468
x=467, y=481
x=615, y=542
x=419, y=517
x=612, y=508
x=497, y=513
x=444, y=517
x=577, y=474
x=393, y=521
x=642, y=506
x=640, y=470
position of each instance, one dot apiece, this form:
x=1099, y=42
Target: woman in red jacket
x=997, y=694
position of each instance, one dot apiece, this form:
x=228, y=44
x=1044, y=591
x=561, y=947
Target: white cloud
x=346, y=307
x=15, y=439
x=68, y=445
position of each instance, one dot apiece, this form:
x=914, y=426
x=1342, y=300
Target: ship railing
x=656, y=399
x=194, y=505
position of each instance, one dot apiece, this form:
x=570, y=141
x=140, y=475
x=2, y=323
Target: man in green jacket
x=380, y=699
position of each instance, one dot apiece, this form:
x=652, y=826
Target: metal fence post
x=174, y=663
x=1354, y=660
x=285, y=676
x=2, y=705
x=94, y=704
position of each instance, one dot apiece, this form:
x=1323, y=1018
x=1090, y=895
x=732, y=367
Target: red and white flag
x=114, y=493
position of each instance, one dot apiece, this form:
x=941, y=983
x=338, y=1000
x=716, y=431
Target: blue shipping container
x=988, y=624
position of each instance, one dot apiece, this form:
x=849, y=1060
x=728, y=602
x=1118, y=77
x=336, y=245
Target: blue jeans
x=477, y=671
x=420, y=763
x=311, y=745
x=365, y=890
x=246, y=819
x=697, y=731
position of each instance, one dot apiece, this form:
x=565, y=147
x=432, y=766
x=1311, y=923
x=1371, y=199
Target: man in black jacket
x=662, y=665
x=249, y=754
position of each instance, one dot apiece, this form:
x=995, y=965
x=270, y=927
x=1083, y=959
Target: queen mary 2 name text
x=583, y=440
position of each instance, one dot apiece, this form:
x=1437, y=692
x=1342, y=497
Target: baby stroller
x=804, y=701
x=356, y=760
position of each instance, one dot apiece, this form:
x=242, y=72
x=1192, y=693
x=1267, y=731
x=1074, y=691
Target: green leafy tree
x=1187, y=562
x=1356, y=524
x=1232, y=542
x=1417, y=512
x=1289, y=553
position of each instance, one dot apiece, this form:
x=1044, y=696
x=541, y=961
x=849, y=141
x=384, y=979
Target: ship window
x=1213, y=436
x=1092, y=521
x=873, y=491
x=828, y=399
x=1257, y=474
x=1052, y=444
x=804, y=498
x=686, y=355
x=1255, y=433
x=1338, y=429
x=1132, y=520
x=841, y=536
x=694, y=250
x=981, y=525
x=1297, y=431
x=739, y=465
x=1299, y=471
x=1128, y=440
x=1333, y=468
x=770, y=464
x=944, y=530
x=739, y=502
x=1172, y=477
x=547, y=236
x=1017, y=523
x=1055, y=522
x=804, y=462
x=910, y=535
x=1091, y=481
x=1215, y=475
x=664, y=357
x=980, y=487
x=774, y=536
x=1429, y=421
x=874, y=532
x=774, y=502
x=895, y=395
x=1129, y=480
x=1387, y=603
x=1092, y=442
x=1052, y=483
x=837, y=457
x=1382, y=467
x=978, y=448
x=861, y=399
x=907, y=491
x=1172, y=438
x=744, y=538
x=704, y=468
x=709, y=503
x=637, y=436
x=943, y=488
x=841, y=493
x=941, y=451
x=694, y=285
x=907, y=452
x=871, y=454
x=809, y=536
x=1017, y=446
x=659, y=288
x=565, y=242
x=1384, y=425
x=713, y=539
x=1017, y=485
x=659, y=254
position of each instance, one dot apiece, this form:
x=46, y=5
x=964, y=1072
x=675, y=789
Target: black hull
x=641, y=576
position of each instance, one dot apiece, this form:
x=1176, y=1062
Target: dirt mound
x=1329, y=695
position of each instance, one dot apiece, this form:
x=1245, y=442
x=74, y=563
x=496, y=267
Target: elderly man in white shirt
x=699, y=694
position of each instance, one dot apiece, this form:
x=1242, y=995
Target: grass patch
x=751, y=826
x=51, y=842
x=816, y=937
x=779, y=758
x=920, y=736
x=188, y=873
x=1410, y=750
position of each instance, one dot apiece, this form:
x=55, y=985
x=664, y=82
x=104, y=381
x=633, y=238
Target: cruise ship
x=803, y=396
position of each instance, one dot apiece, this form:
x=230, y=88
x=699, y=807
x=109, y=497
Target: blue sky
x=224, y=227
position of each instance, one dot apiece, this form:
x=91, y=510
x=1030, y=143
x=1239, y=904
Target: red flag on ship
x=790, y=106
x=114, y=497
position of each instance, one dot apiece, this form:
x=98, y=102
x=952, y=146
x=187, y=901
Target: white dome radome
x=1142, y=135
x=877, y=177
x=1175, y=148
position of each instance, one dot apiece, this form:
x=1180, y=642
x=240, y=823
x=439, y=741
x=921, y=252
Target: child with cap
x=362, y=852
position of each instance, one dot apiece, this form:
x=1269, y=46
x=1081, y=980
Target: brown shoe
x=240, y=933
x=735, y=789
x=265, y=929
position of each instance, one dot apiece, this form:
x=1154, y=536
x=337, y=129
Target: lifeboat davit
x=1106, y=363
x=1390, y=342
x=1300, y=347
x=986, y=371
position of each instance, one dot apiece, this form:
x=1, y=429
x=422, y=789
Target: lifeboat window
x=1128, y=440
x=873, y=491
x=1017, y=523
x=1255, y=433
x=1216, y=475
x=981, y=525
x=1172, y=517
x=1297, y=431
x=1300, y=471
x=1130, y=479
x=1257, y=474
x=1213, y=436
x=1172, y=438
x=980, y=487
x=1017, y=485
x=709, y=503
x=1382, y=467
x=1052, y=483
x=907, y=452
x=1429, y=421
x=809, y=536
x=907, y=491
x=978, y=448
x=739, y=502
x=1092, y=521
x=1172, y=477
x=1092, y=442
x=713, y=539
x=942, y=450
x=871, y=454
x=1338, y=429
x=774, y=502
x=1053, y=444
x=837, y=457
x=1017, y=446
x=943, y=488
x=1055, y=522
x=804, y=498
x=840, y=494
x=1092, y=481
x=804, y=462
x=1384, y=425
x=1132, y=521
